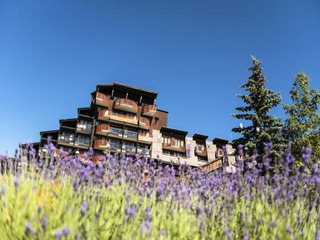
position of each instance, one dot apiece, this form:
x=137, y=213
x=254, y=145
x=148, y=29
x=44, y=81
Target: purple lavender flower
x=16, y=181
x=30, y=229
x=58, y=234
x=200, y=209
x=76, y=185
x=84, y=207
x=228, y=233
x=246, y=235
x=44, y=224
x=107, y=182
x=145, y=226
x=66, y=231
x=288, y=229
x=130, y=210
x=148, y=193
x=51, y=147
x=147, y=214
x=306, y=154
x=240, y=150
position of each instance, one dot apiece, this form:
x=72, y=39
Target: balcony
x=84, y=128
x=212, y=166
x=115, y=146
x=126, y=105
x=201, y=151
x=149, y=110
x=129, y=149
x=116, y=132
x=173, y=146
x=124, y=118
x=144, y=123
x=83, y=158
x=104, y=115
x=67, y=140
x=143, y=151
x=60, y=153
x=102, y=129
x=82, y=142
x=100, y=144
x=102, y=100
x=130, y=134
x=144, y=138
x=98, y=158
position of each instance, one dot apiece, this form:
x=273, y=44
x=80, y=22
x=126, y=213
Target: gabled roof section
x=160, y=110
x=199, y=136
x=68, y=120
x=87, y=111
x=126, y=88
x=219, y=141
x=173, y=131
x=139, y=91
x=49, y=132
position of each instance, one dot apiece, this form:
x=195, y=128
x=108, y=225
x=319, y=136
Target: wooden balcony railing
x=102, y=129
x=212, y=165
x=60, y=153
x=98, y=158
x=100, y=144
x=83, y=157
x=126, y=105
x=144, y=123
x=104, y=114
x=149, y=110
x=201, y=151
x=102, y=99
x=173, y=146
x=143, y=137
x=130, y=118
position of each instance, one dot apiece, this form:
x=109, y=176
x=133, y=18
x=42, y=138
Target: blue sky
x=195, y=54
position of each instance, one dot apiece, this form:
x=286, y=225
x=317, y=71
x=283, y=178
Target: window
x=130, y=133
x=144, y=133
x=143, y=149
x=66, y=137
x=66, y=149
x=174, y=154
x=200, y=158
x=117, y=131
x=129, y=146
x=166, y=140
x=124, y=114
x=201, y=147
x=84, y=125
x=114, y=143
x=83, y=140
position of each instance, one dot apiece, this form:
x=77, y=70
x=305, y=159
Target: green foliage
x=263, y=128
x=302, y=126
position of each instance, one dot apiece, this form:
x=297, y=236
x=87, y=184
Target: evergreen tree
x=303, y=121
x=263, y=128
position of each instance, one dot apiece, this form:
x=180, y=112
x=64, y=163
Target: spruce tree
x=303, y=121
x=262, y=128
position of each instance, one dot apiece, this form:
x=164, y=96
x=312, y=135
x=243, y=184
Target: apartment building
x=125, y=119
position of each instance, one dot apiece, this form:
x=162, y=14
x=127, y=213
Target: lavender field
x=139, y=198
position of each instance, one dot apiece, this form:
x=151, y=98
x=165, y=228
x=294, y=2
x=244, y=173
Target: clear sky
x=194, y=53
